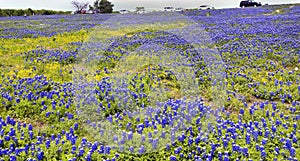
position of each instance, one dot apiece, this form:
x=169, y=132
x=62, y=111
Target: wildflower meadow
x=207, y=85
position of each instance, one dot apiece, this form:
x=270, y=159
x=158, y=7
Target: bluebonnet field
x=41, y=101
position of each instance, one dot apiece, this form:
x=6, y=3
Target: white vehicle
x=169, y=9
x=205, y=7
x=141, y=12
x=124, y=11
x=90, y=12
x=179, y=9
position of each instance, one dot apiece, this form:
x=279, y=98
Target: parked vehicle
x=96, y=11
x=140, y=10
x=179, y=9
x=249, y=3
x=76, y=12
x=124, y=11
x=205, y=7
x=86, y=11
x=170, y=9
x=90, y=12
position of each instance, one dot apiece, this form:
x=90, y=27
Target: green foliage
x=104, y=6
x=29, y=12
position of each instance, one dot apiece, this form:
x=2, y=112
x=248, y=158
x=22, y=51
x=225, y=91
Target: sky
x=130, y=4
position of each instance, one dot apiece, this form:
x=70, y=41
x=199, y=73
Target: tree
x=104, y=6
x=9, y=12
x=30, y=11
x=91, y=8
x=139, y=9
x=20, y=12
x=80, y=6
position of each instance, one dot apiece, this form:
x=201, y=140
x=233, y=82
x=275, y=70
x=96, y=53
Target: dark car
x=249, y=4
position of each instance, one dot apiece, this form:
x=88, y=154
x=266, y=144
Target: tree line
x=29, y=12
x=103, y=6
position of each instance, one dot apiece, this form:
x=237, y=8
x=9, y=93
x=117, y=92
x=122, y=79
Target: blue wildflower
x=173, y=158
